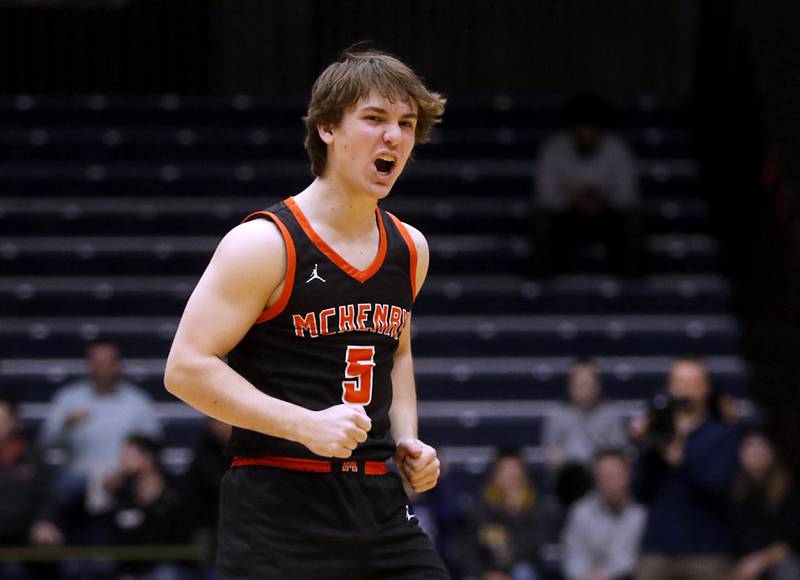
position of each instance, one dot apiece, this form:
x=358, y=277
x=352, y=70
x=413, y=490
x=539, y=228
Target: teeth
x=386, y=158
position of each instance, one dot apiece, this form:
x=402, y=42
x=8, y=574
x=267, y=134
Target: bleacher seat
x=110, y=207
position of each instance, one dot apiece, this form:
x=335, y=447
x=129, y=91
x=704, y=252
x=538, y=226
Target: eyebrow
x=385, y=112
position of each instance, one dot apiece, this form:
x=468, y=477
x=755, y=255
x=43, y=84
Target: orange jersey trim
x=333, y=255
x=312, y=465
x=291, y=265
x=412, y=250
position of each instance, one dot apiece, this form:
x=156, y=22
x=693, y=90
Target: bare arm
x=403, y=413
x=245, y=275
x=417, y=461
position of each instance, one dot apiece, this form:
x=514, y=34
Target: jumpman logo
x=315, y=275
x=409, y=515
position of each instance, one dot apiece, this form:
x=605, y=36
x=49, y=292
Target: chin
x=380, y=191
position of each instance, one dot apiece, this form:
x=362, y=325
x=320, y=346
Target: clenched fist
x=418, y=464
x=336, y=431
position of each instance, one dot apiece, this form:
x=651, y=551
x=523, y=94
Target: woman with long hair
x=766, y=514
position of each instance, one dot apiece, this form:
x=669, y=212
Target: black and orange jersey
x=332, y=335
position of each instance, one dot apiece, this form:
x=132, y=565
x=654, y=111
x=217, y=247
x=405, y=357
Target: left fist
x=418, y=464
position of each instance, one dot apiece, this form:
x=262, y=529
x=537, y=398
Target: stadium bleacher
x=110, y=207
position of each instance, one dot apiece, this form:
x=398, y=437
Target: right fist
x=336, y=431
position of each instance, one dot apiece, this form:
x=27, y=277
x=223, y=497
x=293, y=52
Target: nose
x=392, y=134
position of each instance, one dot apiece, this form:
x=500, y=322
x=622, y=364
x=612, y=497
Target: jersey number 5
x=359, y=364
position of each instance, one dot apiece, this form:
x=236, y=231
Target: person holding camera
x=684, y=476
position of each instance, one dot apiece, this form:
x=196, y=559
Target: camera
x=661, y=411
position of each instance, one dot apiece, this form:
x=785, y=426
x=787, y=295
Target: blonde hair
x=354, y=77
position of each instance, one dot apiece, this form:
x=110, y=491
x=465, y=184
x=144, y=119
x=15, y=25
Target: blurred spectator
x=603, y=530
x=507, y=527
x=766, y=515
x=203, y=478
x=684, y=478
x=441, y=514
x=25, y=515
x=91, y=419
x=24, y=486
x=577, y=430
x=146, y=511
x=586, y=192
x=209, y=463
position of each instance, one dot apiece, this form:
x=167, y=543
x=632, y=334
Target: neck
x=617, y=505
x=587, y=406
x=105, y=387
x=696, y=415
x=326, y=201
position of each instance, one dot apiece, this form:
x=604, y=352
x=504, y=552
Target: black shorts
x=279, y=523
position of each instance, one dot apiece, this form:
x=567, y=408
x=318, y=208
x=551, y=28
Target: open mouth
x=384, y=165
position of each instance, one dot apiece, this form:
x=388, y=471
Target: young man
x=600, y=540
x=310, y=301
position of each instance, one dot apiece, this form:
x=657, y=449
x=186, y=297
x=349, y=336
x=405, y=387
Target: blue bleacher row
x=459, y=430
x=166, y=296
x=497, y=178
x=448, y=335
x=187, y=255
x=525, y=431
x=460, y=442
x=493, y=110
x=200, y=216
x=438, y=379
x=188, y=143
x=111, y=206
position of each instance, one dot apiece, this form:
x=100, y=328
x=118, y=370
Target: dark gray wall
x=774, y=39
x=144, y=46
x=617, y=47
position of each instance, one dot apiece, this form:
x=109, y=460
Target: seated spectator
x=91, y=419
x=203, y=479
x=145, y=510
x=441, y=514
x=586, y=193
x=601, y=538
x=766, y=515
x=577, y=430
x=507, y=527
x=25, y=514
x=684, y=478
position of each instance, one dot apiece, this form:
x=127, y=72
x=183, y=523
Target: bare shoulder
x=418, y=237
x=253, y=240
x=253, y=254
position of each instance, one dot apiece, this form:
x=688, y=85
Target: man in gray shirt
x=601, y=538
x=577, y=430
x=587, y=194
x=91, y=418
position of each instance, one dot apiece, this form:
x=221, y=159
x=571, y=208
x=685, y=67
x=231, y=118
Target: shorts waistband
x=314, y=465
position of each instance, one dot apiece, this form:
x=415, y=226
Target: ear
x=325, y=132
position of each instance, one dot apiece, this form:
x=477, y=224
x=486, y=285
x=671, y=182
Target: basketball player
x=310, y=301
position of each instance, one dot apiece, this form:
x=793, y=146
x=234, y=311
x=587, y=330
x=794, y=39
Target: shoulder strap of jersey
x=291, y=262
x=412, y=250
